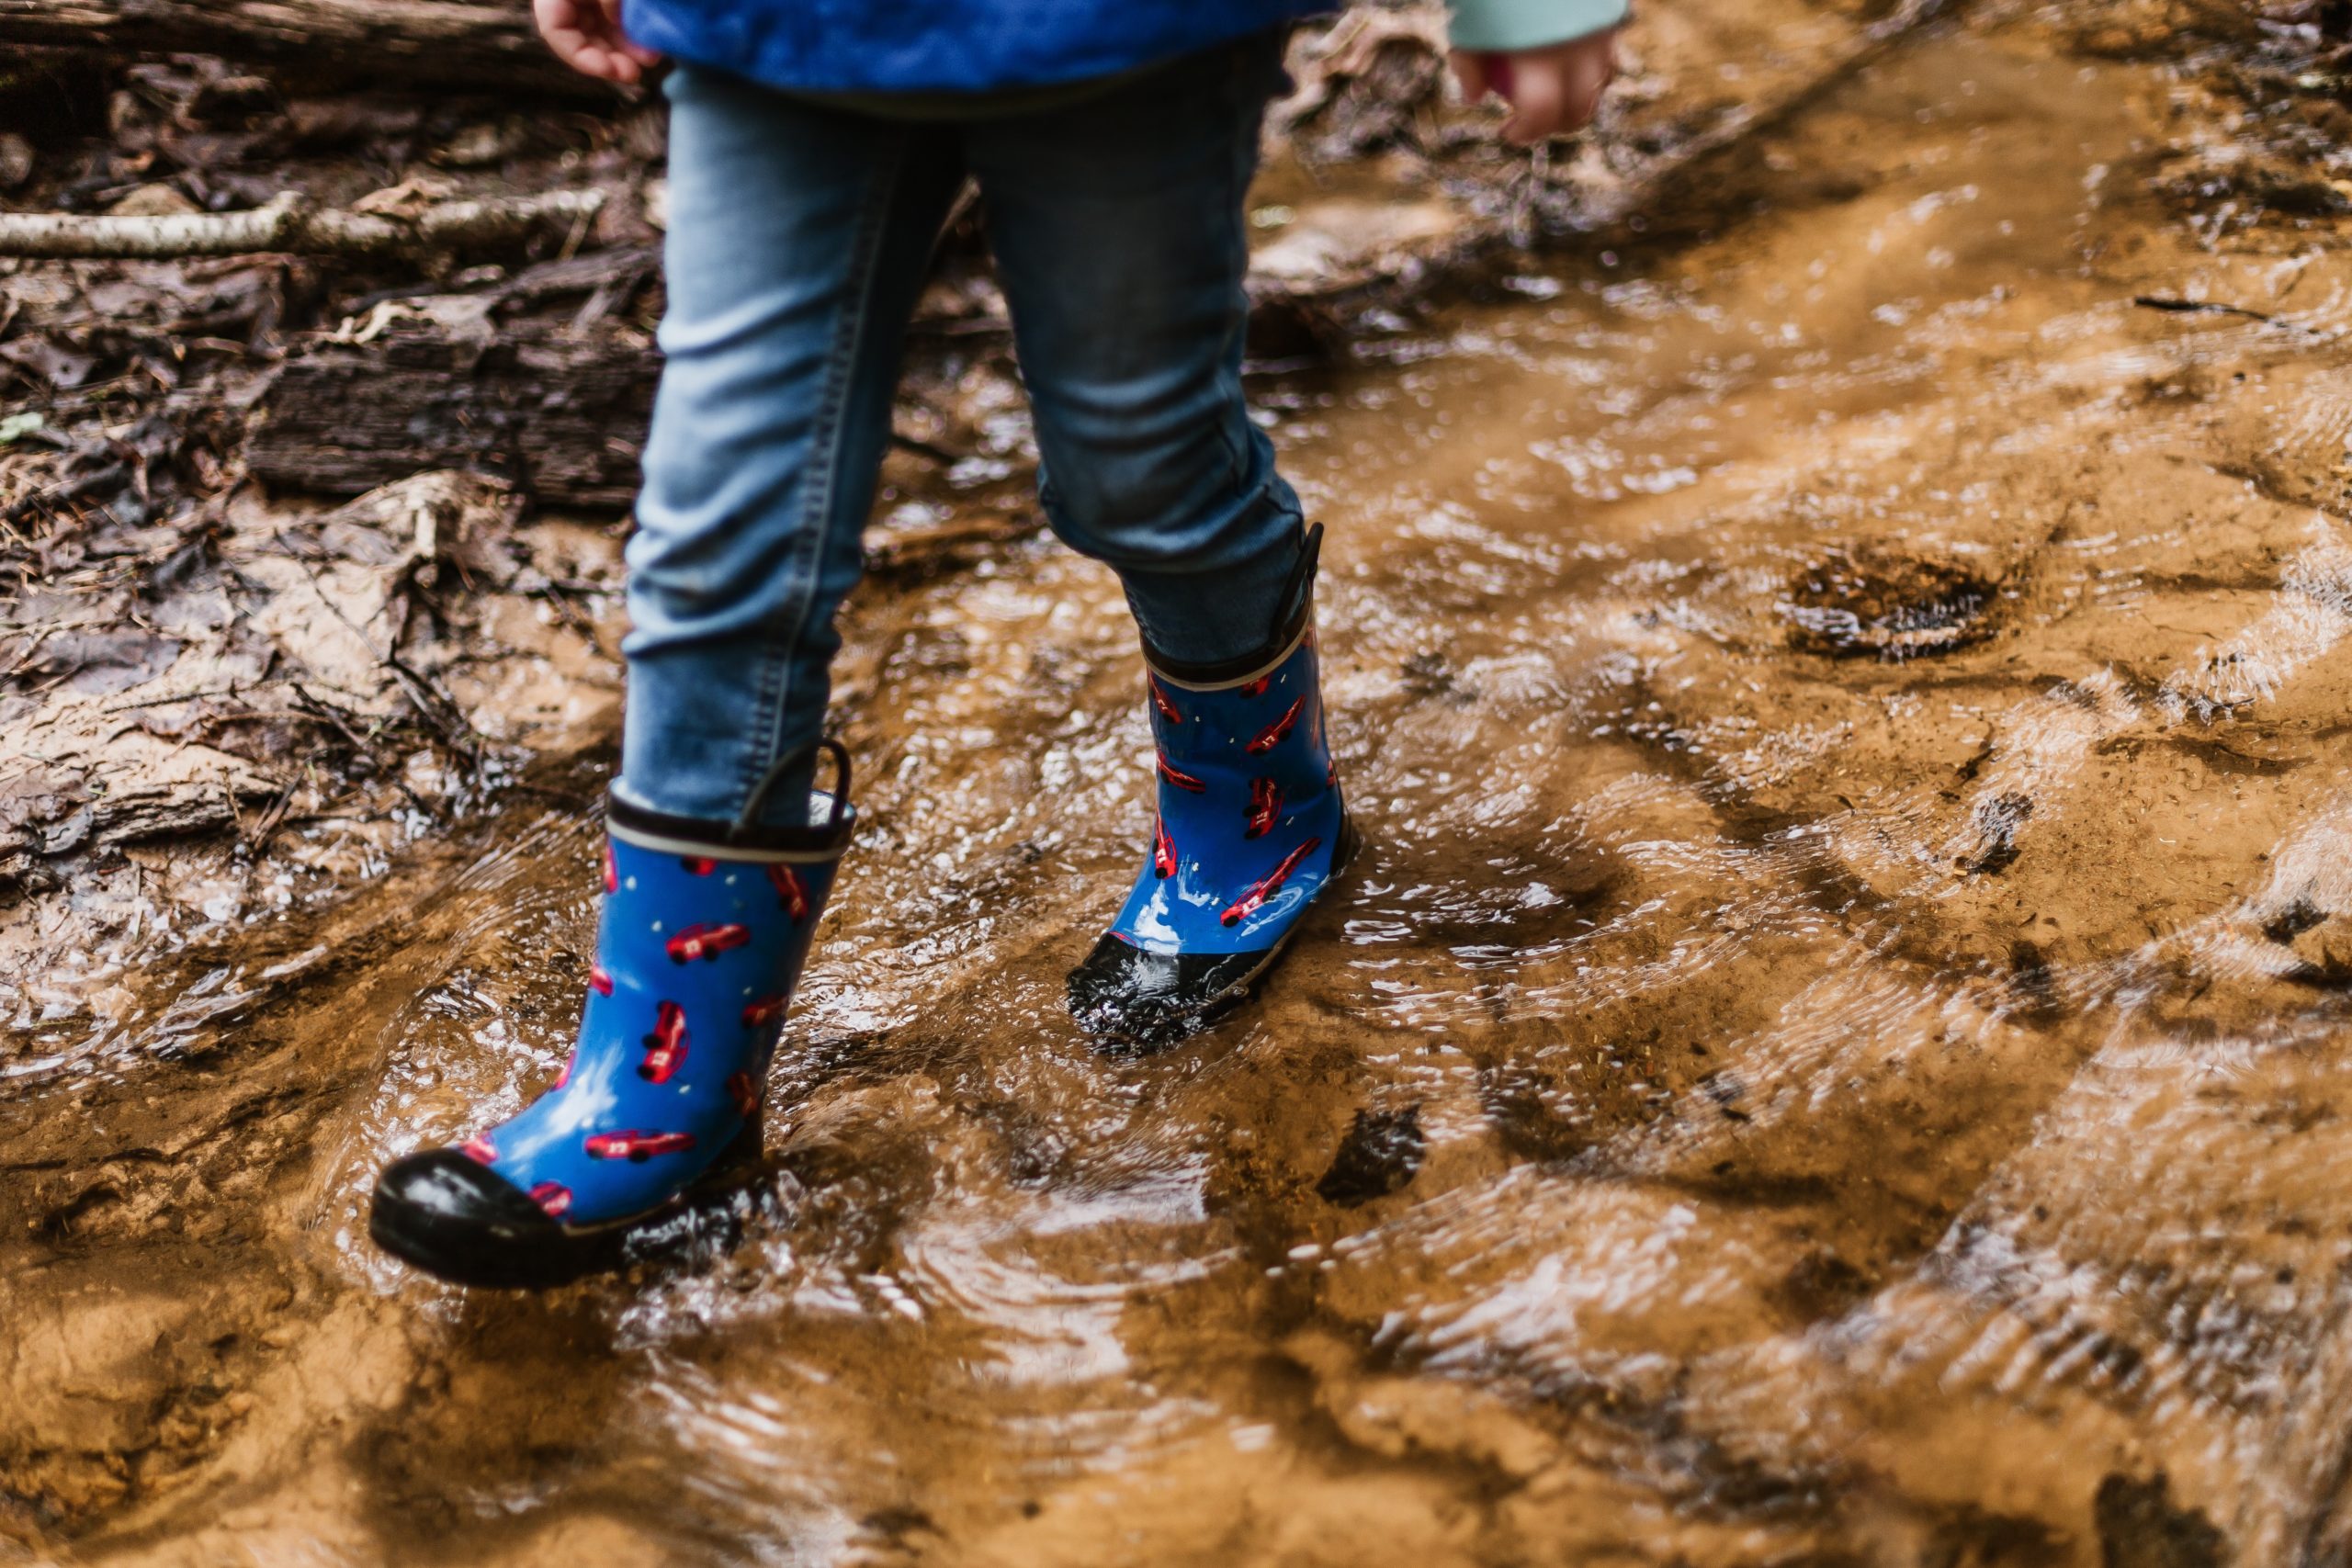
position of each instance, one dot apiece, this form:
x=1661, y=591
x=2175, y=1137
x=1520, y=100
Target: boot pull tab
x=785, y=766
x=1301, y=587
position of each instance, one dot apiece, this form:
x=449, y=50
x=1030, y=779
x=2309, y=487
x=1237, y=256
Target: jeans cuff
x=1209, y=617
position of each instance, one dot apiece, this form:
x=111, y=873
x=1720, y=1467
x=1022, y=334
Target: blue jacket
x=978, y=46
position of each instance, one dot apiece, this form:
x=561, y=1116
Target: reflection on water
x=1830, y=1053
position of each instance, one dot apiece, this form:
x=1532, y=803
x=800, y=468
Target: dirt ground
x=1829, y=1055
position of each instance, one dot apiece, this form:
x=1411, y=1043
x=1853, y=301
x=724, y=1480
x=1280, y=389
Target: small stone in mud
x=2293, y=921
x=1872, y=603
x=1997, y=822
x=1822, y=1285
x=1972, y=1535
x=2139, y=1528
x=1425, y=675
x=2323, y=948
x=2034, y=984
x=1530, y=1116
x=1380, y=1155
x=897, y=1525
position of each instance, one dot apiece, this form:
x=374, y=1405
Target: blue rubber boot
x=1250, y=830
x=703, y=934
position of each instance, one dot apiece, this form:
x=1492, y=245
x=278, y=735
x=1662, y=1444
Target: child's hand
x=1551, y=91
x=586, y=35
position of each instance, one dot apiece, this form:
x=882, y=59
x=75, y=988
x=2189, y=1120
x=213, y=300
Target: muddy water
x=1832, y=1052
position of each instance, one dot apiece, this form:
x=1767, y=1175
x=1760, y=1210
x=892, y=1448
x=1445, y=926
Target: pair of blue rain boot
x=706, y=928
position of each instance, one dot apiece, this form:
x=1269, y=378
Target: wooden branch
x=290, y=224
x=423, y=43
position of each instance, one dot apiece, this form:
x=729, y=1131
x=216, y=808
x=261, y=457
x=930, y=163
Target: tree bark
x=425, y=43
x=562, y=415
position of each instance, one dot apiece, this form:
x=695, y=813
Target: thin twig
x=328, y=712
x=2196, y=307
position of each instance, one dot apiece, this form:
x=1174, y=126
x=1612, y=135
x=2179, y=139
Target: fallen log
x=559, y=414
x=290, y=224
x=433, y=44
x=560, y=410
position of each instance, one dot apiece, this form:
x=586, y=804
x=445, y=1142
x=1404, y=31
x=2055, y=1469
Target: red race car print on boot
x=706, y=942
x=1279, y=731
x=1180, y=778
x=1268, y=885
x=746, y=1094
x=791, y=891
x=1265, y=807
x=665, y=1048
x=636, y=1146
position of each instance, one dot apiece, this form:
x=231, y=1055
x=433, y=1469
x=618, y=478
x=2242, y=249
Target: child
x=815, y=150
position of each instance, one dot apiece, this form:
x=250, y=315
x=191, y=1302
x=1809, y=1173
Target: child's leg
x=1119, y=233
x=799, y=241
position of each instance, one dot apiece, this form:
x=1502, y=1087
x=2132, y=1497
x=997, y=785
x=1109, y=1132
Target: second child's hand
x=1551, y=91
x=586, y=35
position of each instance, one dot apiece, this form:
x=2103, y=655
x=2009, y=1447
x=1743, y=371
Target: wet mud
x=1830, y=1054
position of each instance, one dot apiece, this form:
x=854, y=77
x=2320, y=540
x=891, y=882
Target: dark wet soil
x=1829, y=1053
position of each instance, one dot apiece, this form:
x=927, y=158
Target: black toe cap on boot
x=1153, y=1000
x=450, y=1216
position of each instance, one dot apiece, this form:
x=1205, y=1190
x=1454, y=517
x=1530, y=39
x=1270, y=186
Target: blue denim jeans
x=800, y=234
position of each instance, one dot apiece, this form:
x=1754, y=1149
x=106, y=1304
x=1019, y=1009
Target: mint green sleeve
x=1502, y=26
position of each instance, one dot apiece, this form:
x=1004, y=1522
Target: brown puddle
x=1828, y=1057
